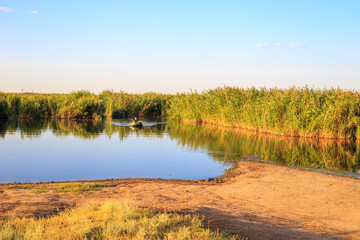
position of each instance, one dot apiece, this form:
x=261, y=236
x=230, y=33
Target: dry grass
x=112, y=220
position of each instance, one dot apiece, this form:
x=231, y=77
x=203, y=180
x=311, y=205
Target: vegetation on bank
x=82, y=105
x=308, y=112
x=112, y=220
x=77, y=188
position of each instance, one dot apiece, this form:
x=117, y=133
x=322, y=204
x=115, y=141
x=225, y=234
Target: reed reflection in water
x=221, y=144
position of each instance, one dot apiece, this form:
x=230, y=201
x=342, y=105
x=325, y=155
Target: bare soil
x=258, y=201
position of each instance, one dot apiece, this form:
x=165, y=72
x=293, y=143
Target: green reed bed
x=124, y=104
x=82, y=105
x=4, y=109
x=308, y=112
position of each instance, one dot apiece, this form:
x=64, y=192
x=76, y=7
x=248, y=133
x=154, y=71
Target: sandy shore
x=259, y=201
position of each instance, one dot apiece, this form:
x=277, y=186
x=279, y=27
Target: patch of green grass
x=77, y=187
x=112, y=220
x=19, y=187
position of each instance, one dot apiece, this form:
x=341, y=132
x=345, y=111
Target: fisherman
x=135, y=119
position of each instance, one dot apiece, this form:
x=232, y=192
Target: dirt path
x=261, y=201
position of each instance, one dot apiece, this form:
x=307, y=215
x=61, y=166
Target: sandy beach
x=257, y=200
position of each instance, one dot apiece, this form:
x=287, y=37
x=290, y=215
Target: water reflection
x=60, y=150
x=222, y=144
x=228, y=144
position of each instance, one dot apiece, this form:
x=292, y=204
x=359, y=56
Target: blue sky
x=174, y=46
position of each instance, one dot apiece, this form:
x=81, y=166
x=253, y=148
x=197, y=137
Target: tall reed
x=4, y=108
x=124, y=104
x=83, y=105
x=308, y=112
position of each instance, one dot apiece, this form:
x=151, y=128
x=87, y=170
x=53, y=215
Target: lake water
x=61, y=150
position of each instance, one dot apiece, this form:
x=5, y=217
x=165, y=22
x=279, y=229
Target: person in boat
x=135, y=119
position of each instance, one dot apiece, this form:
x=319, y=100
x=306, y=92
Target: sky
x=174, y=46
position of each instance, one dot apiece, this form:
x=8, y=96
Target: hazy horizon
x=190, y=90
x=176, y=46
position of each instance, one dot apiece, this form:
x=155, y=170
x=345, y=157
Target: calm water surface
x=60, y=150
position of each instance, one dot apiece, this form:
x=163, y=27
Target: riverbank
x=300, y=112
x=257, y=200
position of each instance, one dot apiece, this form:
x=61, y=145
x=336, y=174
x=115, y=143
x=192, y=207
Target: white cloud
x=34, y=11
x=261, y=45
x=280, y=45
x=293, y=45
x=6, y=9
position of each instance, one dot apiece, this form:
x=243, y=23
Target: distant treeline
x=307, y=112
x=82, y=105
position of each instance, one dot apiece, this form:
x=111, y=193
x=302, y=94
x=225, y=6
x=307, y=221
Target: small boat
x=136, y=124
